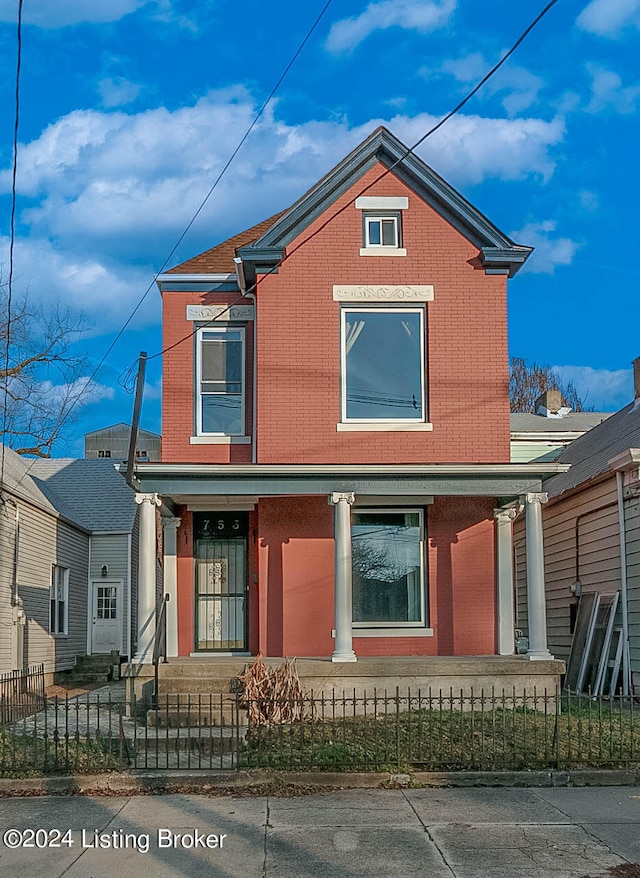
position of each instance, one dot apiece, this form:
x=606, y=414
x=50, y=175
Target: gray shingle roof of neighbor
x=574, y=422
x=89, y=492
x=589, y=455
x=18, y=481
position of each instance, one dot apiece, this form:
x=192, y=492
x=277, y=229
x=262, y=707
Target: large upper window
x=59, y=600
x=388, y=568
x=383, y=374
x=221, y=381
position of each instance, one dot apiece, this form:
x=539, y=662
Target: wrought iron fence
x=412, y=731
x=21, y=693
x=93, y=733
x=443, y=731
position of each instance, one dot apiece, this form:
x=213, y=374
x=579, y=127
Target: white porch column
x=170, y=579
x=504, y=576
x=146, y=576
x=536, y=597
x=343, y=646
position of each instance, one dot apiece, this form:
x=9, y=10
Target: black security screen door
x=221, y=580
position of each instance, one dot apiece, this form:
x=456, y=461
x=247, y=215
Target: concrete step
x=207, y=742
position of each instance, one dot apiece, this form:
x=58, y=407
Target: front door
x=106, y=627
x=221, y=581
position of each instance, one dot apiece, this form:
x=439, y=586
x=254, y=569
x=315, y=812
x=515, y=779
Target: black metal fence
x=93, y=733
x=412, y=731
x=21, y=693
x=443, y=731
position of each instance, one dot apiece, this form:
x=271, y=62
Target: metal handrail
x=159, y=644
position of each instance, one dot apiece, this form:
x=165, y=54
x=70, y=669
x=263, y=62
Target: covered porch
x=299, y=600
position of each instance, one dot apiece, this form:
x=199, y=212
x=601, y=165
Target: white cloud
x=604, y=389
x=82, y=391
x=51, y=14
x=549, y=252
x=127, y=184
x=608, y=18
x=101, y=288
x=607, y=91
x=517, y=85
x=421, y=15
x=116, y=91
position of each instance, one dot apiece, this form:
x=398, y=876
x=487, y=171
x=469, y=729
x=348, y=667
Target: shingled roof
x=219, y=259
x=589, y=455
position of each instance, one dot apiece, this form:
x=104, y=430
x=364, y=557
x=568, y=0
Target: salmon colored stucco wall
x=298, y=330
x=295, y=548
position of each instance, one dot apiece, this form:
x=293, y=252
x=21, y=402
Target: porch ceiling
x=501, y=480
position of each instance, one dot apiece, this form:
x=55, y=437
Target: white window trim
x=379, y=424
x=200, y=433
x=380, y=250
x=380, y=217
x=400, y=629
x=54, y=616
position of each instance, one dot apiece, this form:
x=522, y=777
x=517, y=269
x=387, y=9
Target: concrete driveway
x=467, y=833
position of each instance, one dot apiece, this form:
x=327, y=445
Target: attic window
x=104, y=452
x=382, y=225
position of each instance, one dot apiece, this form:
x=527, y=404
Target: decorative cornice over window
x=383, y=293
x=219, y=312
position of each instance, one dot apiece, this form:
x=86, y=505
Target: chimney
x=636, y=379
x=549, y=404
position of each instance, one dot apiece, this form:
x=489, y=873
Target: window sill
x=389, y=632
x=219, y=440
x=383, y=251
x=382, y=427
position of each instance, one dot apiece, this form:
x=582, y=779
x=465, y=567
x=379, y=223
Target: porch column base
x=344, y=657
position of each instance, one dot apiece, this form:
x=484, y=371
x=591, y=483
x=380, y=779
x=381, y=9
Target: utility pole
x=135, y=420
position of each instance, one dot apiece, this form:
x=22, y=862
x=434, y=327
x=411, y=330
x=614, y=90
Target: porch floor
x=462, y=674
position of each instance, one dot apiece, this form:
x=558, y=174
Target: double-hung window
x=59, y=600
x=221, y=381
x=388, y=568
x=383, y=366
x=381, y=231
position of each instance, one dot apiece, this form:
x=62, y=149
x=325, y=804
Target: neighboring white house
x=544, y=435
x=68, y=562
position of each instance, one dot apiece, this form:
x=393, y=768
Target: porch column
x=504, y=576
x=146, y=576
x=536, y=597
x=170, y=580
x=343, y=646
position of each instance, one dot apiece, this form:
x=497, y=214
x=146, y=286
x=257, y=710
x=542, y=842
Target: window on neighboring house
x=388, y=568
x=221, y=381
x=142, y=455
x=104, y=453
x=59, y=597
x=381, y=231
x=383, y=365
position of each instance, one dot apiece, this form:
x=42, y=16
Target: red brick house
x=335, y=478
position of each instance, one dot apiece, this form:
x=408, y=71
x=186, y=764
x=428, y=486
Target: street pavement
x=467, y=833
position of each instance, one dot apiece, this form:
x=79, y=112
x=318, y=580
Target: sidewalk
x=464, y=833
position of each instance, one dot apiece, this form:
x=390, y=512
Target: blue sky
x=129, y=108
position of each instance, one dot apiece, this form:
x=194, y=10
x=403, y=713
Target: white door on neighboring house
x=106, y=630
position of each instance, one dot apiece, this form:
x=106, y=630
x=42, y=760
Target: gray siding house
x=67, y=570
x=591, y=526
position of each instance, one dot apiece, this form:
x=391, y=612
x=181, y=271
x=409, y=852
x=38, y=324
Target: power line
x=407, y=152
x=12, y=233
x=257, y=117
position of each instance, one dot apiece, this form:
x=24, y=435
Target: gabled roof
x=263, y=245
x=589, y=455
x=89, y=492
x=122, y=428
x=219, y=259
x=18, y=481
